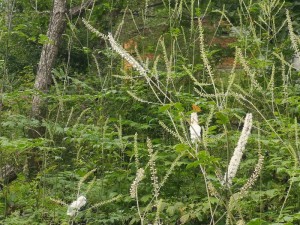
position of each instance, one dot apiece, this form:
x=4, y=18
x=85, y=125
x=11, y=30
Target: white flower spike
x=238, y=151
x=296, y=62
x=76, y=205
x=195, y=129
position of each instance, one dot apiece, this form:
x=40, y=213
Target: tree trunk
x=49, y=52
x=43, y=78
x=7, y=174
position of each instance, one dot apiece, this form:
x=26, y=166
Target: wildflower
x=139, y=176
x=76, y=205
x=254, y=175
x=238, y=151
x=125, y=55
x=153, y=170
x=296, y=62
x=240, y=222
x=195, y=129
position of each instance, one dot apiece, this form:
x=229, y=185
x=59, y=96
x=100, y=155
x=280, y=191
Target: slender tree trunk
x=43, y=78
x=49, y=53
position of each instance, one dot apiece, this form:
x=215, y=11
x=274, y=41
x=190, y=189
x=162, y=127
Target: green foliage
x=107, y=122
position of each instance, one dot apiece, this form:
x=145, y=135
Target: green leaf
x=257, y=222
x=165, y=108
x=146, y=198
x=43, y=39
x=179, y=106
x=204, y=159
x=271, y=193
x=171, y=210
x=181, y=147
x=222, y=118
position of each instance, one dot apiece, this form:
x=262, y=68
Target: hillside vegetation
x=150, y=112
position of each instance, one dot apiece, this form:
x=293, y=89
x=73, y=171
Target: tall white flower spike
x=238, y=151
x=195, y=129
x=76, y=205
x=296, y=62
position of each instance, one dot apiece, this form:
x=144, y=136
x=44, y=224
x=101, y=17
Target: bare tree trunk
x=49, y=52
x=43, y=78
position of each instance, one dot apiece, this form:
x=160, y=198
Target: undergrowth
x=172, y=138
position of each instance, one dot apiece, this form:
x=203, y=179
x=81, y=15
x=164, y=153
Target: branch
x=77, y=10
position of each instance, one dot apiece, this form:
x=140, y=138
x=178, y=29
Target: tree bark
x=43, y=78
x=49, y=52
x=7, y=174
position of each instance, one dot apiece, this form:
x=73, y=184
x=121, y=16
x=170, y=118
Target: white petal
x=71, y=211
x=81, y=201
x=194, y=118
x=296, y=62
x=195, y=131
x=76, y=205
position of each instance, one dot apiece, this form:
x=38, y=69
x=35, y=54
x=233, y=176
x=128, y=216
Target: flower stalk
x=238, y=151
